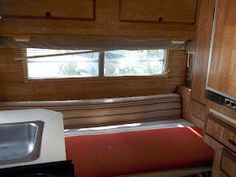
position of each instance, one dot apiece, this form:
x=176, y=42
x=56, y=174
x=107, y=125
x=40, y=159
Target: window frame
x=101, y=64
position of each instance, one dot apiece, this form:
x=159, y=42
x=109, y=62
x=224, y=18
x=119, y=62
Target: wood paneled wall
x=203, y=41
x=200, y=65
x=14, y=88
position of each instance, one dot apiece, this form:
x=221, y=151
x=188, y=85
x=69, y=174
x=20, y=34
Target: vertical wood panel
x=198, y=110
x=186, y=100
x=201, y=59
x=200, y=64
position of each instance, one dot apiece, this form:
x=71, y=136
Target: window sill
x=96, y=79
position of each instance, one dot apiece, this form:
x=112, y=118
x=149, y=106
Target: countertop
x=53, y=143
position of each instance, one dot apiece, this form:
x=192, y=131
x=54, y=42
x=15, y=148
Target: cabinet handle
x=48, y=14
x=232, y=142
x=160, y=19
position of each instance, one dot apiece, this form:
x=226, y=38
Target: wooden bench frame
x=97, y=112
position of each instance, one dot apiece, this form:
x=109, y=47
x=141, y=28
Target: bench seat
x=134, y=152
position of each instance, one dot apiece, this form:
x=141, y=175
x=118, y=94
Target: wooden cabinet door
x=228, y=163
x=222, y=74
x=71, y=9
x=173, y=11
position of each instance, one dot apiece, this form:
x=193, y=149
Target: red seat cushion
x=139, y=151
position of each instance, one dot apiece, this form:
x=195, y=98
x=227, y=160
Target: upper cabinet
x=165, y=19
x=69, y=9
x=222, y=74
x=169, y=11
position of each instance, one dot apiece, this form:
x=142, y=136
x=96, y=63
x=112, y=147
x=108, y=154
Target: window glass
x=47, y=63
x=134, y=62
x=52, y=65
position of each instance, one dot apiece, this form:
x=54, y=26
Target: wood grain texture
x=214, y=129
x=197, y=122
x=200, y=65
x=220, y=133
x=185, y=93
x=217, y=170
x=222, y=109
x=218, y=147
x=228, y=163
x=86, y=113
x=216, y=164
x=222, y=76
x=220, y=129
x=106, y=24
x=191, y=110
x=229, y=139
x=168, y=11
x=198, y=110
x=14, y=88
x=70, y=9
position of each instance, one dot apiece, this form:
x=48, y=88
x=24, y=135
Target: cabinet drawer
x=221, y=131
x=176, y=11
x=214, y=128
x=228, y=163
x=68, y=9
x=229, y=139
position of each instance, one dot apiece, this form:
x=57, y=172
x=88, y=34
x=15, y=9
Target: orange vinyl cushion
x=138, y=151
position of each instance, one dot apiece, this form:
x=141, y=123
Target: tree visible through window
x=134, y=62
x=47, y=63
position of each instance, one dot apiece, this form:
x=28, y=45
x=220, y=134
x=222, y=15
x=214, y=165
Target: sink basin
x=20, y=142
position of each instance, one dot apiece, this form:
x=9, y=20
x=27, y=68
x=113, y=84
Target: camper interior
x=123, y=88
